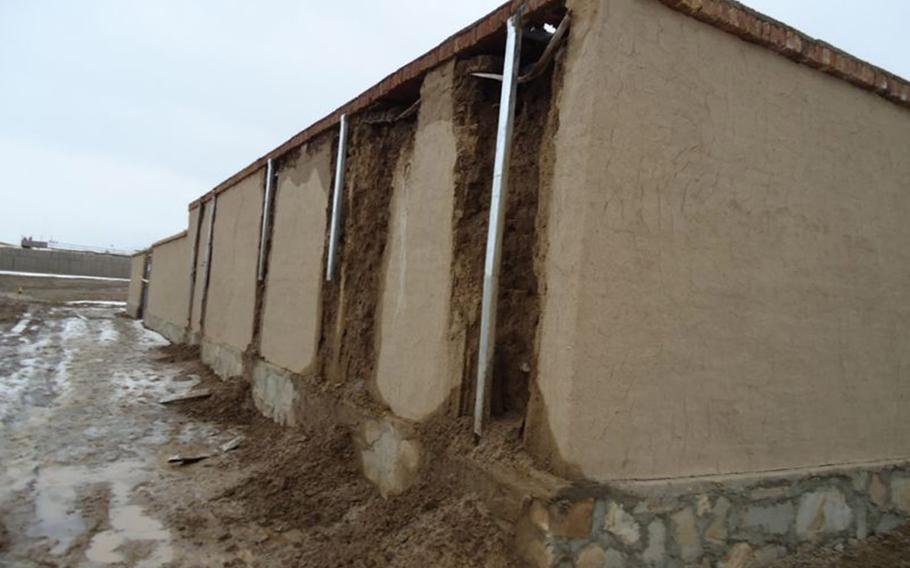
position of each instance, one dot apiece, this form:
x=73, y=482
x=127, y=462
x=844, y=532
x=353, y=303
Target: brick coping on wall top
x=728, y=15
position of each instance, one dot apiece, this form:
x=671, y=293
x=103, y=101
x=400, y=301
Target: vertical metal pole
x=497, y=221
x=266, y=214
x=209, y=245
x=336, y=198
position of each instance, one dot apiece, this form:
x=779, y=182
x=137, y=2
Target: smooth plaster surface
x=235, y=257
x=169, y=285
x=291, y=317
x=414, y=374
x=728, y=264
x=134, y=292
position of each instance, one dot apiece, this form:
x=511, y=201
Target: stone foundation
x=225, y=361
x=172, y=332
x=275, y=393
x=389, y=454
x=729, y=522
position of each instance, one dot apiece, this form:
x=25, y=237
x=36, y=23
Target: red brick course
x=757, y=28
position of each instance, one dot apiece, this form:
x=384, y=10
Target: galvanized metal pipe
x=266, y=217
x=208, y=258
x=335, y=228
x=487, y=346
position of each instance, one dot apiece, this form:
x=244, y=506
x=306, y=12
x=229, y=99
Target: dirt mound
x=308, y=488
x=178, y=353
x=230, y=403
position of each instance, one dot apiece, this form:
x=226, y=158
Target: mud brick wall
x=727, y=265
x=168, y=288
x=704, y=276
x=290, y=324
x=231, y=296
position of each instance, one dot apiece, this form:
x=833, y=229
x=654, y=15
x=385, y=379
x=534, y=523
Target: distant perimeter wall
x=64, y=262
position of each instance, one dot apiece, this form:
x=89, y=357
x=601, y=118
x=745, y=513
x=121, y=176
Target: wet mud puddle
x=82, y=437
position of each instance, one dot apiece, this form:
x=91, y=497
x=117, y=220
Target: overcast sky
x=115, y=114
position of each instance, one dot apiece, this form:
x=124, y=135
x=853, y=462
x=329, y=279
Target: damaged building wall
x=727, y=264
x=231, y=296
x=168, y=288
x=134, y=293
x=417, y=367
x=290, y=321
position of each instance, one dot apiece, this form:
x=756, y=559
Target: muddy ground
x=85, y=481
x=85, y=478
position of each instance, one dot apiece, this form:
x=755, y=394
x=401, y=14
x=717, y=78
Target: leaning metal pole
x=266, y=216
x=336, y=198
x=497, y=220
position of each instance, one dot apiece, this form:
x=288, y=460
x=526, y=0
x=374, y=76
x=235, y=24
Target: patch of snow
x=108, y=333
x=95, y=303
x=21, y=325
x=65, y=276
x=147, y=337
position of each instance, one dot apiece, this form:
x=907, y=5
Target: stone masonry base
x=733, y=522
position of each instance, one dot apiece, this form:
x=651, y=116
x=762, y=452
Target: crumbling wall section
x=347, y=351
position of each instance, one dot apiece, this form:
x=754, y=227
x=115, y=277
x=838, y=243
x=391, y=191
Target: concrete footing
x=275, y=393
x=224, y=361
x=733, y=522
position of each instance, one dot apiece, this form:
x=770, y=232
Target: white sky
x=115, y=114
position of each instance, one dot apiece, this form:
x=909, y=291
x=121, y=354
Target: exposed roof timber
x=728, y=15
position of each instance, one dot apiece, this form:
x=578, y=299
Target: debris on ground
x=193, y=395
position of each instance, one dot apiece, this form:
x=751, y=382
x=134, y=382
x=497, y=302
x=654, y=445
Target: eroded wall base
x=225, y=361
x=735, y=522
x=275, y=393
x=172, y=332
